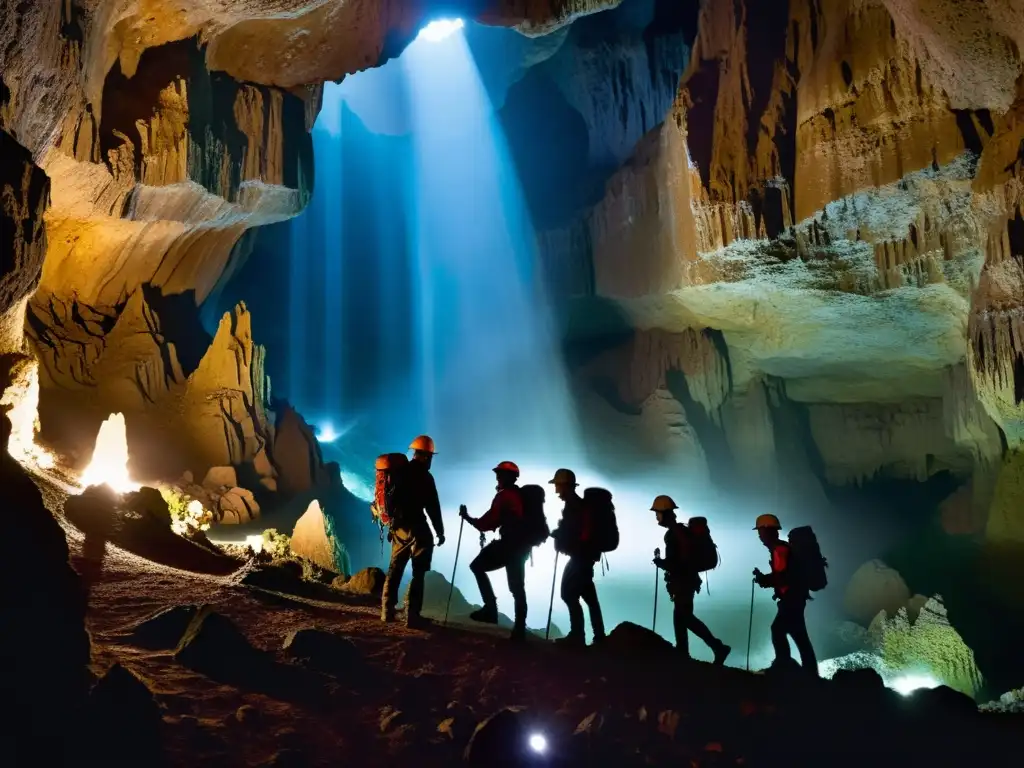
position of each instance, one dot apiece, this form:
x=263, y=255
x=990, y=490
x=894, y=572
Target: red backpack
x=385, y=507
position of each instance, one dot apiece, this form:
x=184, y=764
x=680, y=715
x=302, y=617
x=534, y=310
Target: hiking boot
x=518, y=635
x=418, y=622
x=387, y=617
x=721, y=654
x=486, y=615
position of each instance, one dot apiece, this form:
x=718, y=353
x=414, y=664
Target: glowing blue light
x=538, y=743
x=438, y=30
x=326, y=434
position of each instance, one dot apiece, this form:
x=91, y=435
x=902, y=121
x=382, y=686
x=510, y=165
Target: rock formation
x=835, y=200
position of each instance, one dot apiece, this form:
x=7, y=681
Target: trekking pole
x=451, y=586
x=551, y=602
x=750, y=627
x=654, y=621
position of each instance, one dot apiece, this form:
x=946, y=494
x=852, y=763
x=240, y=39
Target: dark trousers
x=789, y=622
x=577, y=584
x=685, y=622
x=503, y=553
x=415, y=544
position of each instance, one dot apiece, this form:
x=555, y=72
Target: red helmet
x=507, y=466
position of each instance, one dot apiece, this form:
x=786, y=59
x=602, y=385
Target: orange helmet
x=383, y=462
x=423, y=443
x=564, y=476
x=664, y=504
x=507, y=466
x=767, y=521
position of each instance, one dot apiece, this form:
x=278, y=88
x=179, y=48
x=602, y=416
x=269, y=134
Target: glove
x=659, y=561
x=440, y=539
x=463, y=512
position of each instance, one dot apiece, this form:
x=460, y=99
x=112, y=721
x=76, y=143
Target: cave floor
x=650, y=709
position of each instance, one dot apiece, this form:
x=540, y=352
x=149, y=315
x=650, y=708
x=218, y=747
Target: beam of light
x=109, y=464
x=907, y=684
x=327, y=434
x=255, y=541
x=438, y=30
x=538, y=743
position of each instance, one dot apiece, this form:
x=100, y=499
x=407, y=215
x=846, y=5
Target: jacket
x=678, y=568
x=574, y=535
x=781, y=577
x=505, y=514
x=419, y=495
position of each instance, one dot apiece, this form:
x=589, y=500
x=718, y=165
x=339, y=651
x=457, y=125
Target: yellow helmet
x=423, y=443
x=767, y=521
x=664, y=503
x=564, y=476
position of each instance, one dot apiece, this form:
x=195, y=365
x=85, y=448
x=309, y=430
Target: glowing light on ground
x=23, y=399
x=109, y=463
x=326, y=434
x=907, y=684
x=255, y=541
x=438, y=30
x=538, y=743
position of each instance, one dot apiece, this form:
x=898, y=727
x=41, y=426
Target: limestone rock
x=125, y=720
x=928, y=643
x=164, y=629
x=220, y=477
x=311, y=541
x=299, y=462
x=24, y=195
x=238, y=506
x=212, y=644
x=47, y=632
x=233, y=509
x=874, y=587
x=630, y=638
x=368, y=582
x=325, y=651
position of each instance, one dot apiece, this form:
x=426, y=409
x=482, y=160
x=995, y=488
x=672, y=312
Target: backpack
x=703, y=550
x=604, y=527
x=386, y=488
x=807, y=563
x=534, y=530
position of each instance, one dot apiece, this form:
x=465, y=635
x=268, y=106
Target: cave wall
x=845, y=214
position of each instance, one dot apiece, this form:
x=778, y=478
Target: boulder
x=943, y=701
x=213, y=645
x=368, y=582
x=220, y=477
x=234, y=509
x=498, y=740
x=250, y=501
x=860, y=680
x=164, y=629
x=311, y=541
x=874, y=587
x=125, y=720
x=324, y=651
x=630, y=638
x=148, y=503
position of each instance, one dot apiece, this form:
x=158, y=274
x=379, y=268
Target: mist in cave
x=417, y=303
